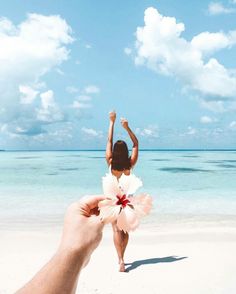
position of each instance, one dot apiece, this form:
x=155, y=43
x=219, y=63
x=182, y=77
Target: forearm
x=110, y=132
x=59, y=275
x=132, y=137
x=110, y=140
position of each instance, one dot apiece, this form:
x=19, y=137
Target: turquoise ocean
x=186, y=186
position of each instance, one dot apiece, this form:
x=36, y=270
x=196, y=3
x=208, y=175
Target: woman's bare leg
x=120, y=239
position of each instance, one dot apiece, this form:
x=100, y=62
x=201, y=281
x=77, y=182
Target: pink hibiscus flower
x=121, y=205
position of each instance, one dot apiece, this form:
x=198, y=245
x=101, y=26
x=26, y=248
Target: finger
x=95, y=211
x=92, y=201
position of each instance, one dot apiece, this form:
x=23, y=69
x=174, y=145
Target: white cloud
x=28, y=129
x=191, y=131
x=232, y=125
x=148, y=132
x=3, y=128
x=47, y=99
x=215, y=8
x=72, y=89
x=214, y=106
x=28, y=51
x=60, y=72
x=207, y=120
x=91, y=89
x=80, y=105
x=91, y=132
x=49, y=111
x=88, y=46
x=28, y=94
x=127, y=51
x=160, y=47
x=207, y=42
x=84, y=98
x=32, y=48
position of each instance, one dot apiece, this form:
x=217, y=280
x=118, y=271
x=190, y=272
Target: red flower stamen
x=122, y=200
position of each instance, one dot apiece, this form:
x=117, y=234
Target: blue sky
x=169, y=67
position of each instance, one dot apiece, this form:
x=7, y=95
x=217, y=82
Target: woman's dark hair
x=120, y=156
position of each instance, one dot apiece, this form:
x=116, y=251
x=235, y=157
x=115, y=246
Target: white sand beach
x=169, y=260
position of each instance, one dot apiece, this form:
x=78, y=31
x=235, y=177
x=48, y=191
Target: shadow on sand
x=137, y=263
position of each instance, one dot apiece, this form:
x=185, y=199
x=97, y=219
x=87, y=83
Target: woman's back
x=118, y=173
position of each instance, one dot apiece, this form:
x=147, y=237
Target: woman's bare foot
x=122, y=266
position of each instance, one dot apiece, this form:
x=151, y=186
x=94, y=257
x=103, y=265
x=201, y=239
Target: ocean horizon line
x=103, y=150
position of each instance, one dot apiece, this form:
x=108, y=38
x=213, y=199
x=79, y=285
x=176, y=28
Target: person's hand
x=82, y=230
x=112, y=116
x=124, y=123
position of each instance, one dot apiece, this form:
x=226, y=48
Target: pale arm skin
x=112, y=116
x=134, y=155
x=82, y=233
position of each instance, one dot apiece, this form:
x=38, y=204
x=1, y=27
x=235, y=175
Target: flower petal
x=129, y=184
x=142, y=204
x=110, y=186
x=127, y=220
x=109, y=211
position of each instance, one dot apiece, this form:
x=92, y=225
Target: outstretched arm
x=81, y=235
x=112, y=116
x=134, y=155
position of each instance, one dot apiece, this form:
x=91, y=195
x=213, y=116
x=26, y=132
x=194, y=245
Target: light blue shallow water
x=39, y=185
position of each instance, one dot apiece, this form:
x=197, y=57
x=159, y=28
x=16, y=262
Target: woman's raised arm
x=112, y=116
x=134, y=155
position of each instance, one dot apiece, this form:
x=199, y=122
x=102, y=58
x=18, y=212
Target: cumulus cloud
x=83, y=101
x=28, y=51
x=191, y=131
x=207, y=120
x=148, y=132
x=47, y=99
x=28, y=94
x=49, y=111
x=91, y=132
x=23, y=127
x=207, y=42
x=32, y=130
x=214, y=106
x=216, y=8
x=80, y=105
x=91, y=89
x=32, y=48
x=160, y=47
x=232, y=125
x=60, y=72
x=72, y=89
